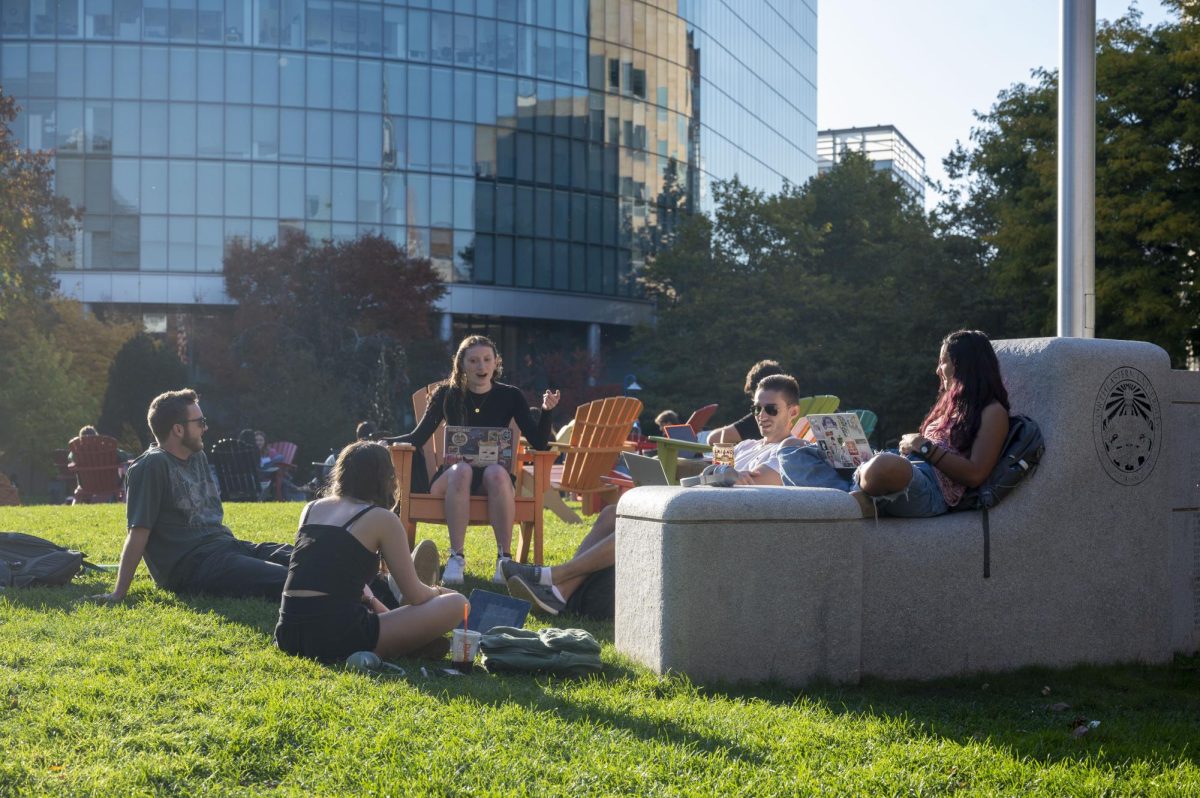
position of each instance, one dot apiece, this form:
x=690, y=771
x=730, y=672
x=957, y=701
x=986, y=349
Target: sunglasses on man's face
x=771, y=409
x=202, y=421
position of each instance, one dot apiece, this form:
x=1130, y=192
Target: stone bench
x=1093, y=559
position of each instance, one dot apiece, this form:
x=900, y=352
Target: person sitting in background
x=664, y=418
x=745, y=428
x=585, y=584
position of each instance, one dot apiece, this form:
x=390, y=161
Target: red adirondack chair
x=95, y=464
x=701, y=417
x=8, y=492
x=286, y=452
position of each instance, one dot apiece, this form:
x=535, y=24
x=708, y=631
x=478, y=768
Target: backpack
x=28, y=561
x=1019, y=457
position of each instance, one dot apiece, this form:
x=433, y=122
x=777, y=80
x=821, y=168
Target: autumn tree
x=30, y=214
x=1003, y=193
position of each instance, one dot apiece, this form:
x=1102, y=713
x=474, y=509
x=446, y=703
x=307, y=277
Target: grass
x=167, y=695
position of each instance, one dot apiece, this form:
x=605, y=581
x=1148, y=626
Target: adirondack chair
x=597, y=440
x=8, y=492
x=414, y=508
x=701, y=417
x=94, y=463
x=669, y=448
x=286, y=452
x=236, y=464
x=867, y=418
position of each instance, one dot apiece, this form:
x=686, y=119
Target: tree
x=1147, y=189
x=141, y=370
x=30, y=214
x=346, y=326
x=844, y=281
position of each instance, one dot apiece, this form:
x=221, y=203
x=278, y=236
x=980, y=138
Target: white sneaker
x=498, y=578
x=452, y=574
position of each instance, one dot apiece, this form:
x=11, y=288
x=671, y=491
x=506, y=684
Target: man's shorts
x=596, y=597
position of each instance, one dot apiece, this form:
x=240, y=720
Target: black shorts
x=476, y=479
x=325, y=628
x=596, y=597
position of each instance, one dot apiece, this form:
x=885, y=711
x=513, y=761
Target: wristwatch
x=926, y=450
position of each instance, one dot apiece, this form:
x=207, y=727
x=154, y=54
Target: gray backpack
x=28, y=561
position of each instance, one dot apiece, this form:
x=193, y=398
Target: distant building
x=884, y=145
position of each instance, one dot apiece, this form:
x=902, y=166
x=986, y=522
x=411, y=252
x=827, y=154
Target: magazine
x=841, y=438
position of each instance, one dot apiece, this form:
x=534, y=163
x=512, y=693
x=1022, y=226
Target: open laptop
x=644, y=470
x=841, y=439
x=481, y=446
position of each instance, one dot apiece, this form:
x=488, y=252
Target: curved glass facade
x=519, y=144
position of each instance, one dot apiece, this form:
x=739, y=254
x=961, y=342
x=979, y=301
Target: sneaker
x=530, y=573
x=539, y=596
x=456, y=564
x=500, y=575
x=425, y=559
x=395, y=588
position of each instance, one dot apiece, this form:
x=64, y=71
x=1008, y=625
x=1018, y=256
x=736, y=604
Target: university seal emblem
x=1127, y=426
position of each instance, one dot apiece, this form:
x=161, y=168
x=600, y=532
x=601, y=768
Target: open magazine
x=481, y=446
x=841, y=438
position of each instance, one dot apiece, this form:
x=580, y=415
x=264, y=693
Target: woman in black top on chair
x=327, y=611
x=471, y=397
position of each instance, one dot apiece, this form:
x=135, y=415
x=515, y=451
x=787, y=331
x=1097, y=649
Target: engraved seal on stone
x=1127, y=426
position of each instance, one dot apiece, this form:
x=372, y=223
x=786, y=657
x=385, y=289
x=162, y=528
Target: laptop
x=682, y=432
x=481, y=446
x=841, y=439
x=644, y=470
x=490, y=609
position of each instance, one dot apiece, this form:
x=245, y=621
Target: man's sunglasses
x=202, y=421
x=771, y=409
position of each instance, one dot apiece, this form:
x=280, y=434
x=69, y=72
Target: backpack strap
x=987, y=546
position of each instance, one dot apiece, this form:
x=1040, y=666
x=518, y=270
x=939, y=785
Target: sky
x=926, y=65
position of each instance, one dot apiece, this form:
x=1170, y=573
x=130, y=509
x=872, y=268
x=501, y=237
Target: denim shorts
x=921, y=499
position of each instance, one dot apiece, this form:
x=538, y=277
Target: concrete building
x=524, y=146
x=884, y=145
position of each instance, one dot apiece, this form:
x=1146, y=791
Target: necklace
x=471, y=401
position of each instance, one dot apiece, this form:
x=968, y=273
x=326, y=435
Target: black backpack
x=28, y=561
x=1019, y=457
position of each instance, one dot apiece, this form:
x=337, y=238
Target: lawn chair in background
x=8, y=492
x=95, y=464
x=236, y=464
x=701, y=417
x=867, y=418
x=285, y=453
x=822, y=403
x=597, y=440
x=414, y=508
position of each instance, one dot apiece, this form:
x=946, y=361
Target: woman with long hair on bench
x=957, y=446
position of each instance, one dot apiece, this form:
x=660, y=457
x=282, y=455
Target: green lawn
x=167, y=695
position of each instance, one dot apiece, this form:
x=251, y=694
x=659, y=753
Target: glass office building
x=886, y=148
x=526, y=147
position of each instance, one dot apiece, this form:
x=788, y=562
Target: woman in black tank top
x=324, y=612
x=471, y=397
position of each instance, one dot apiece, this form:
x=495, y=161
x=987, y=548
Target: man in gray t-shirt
x=175, y=516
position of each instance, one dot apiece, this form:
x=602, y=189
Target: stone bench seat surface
x=1092, y=558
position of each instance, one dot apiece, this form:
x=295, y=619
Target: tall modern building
x=527, y=147
x=884, y=145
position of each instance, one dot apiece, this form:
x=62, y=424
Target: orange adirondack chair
x=597, y=440
x=94, y=463
x=414, y=508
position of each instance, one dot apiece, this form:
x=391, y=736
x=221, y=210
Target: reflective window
x=291, y=134
x=183, y=129
x=182, y=257
x=319, y=82
x=370, y=87
x=418, y=144
x=291, y=192
x=237, y=189
x=441, y=151
x=418, y=199
x=237, y=132
x=345, y=136
x=183, y=20
x=210, y=130
x=318, y=142
x=318, y=19
x=345, y=78
x=97, y=75
x=418, y=91
x=266, y=78
x=523, y=260
x=441, y=201
x=418, y=35
x=266, y=133
x=266, y=190
x=368, y=198
x=182, y=182
x=441, y=93
x=210, y=193
x=345, y=27
x=370, y=140
x=153, y=243
x=154, y=129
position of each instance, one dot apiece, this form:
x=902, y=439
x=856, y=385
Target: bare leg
x=455, y=485
x=502, y=506
x=409, y=628
x=885, y=473
x=596, y=552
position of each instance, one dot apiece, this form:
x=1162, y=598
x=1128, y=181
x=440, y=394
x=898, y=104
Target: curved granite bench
x=1093, y=559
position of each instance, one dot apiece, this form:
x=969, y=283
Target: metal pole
x=1077, y=171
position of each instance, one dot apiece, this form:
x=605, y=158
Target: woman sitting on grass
x=958, y=445
x=324, y=614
